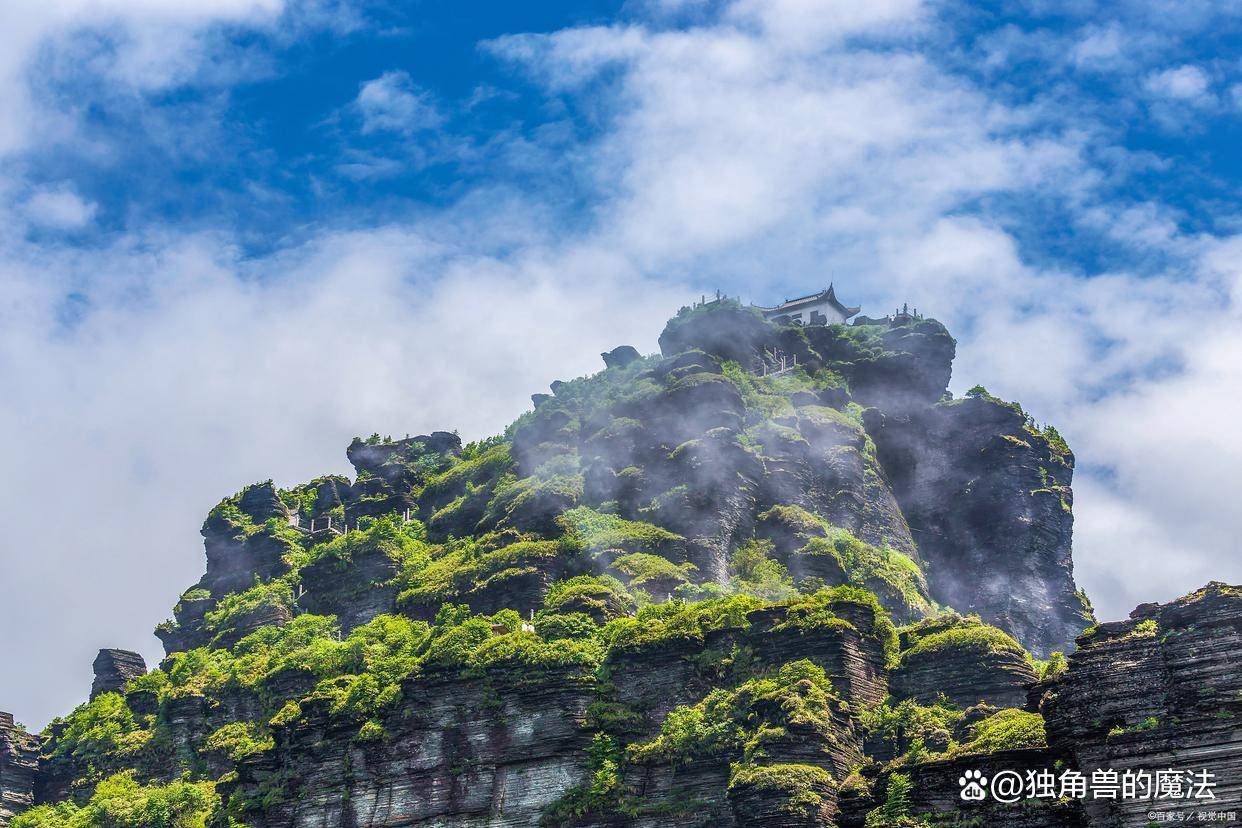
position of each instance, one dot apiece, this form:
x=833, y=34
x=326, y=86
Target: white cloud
x=59, y=208
x=394, y=103
x=1100, y=47
x=1182, y=83
x=196, y=373
x=155, y=42
x=802, y=24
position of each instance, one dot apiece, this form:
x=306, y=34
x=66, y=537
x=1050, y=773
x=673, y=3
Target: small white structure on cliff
x=821, y=308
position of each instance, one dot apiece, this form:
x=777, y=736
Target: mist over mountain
x=774, y=575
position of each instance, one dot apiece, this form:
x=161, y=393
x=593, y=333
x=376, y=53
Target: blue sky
x=236, y=233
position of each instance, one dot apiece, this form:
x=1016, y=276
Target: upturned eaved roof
x=829, y=296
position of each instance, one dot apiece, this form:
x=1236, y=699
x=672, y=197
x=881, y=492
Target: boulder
x=621, y=356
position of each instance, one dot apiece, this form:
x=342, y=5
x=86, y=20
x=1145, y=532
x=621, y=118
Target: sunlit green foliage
x=676, y=623
x=462, y=567
x=475, y=467
x=602, y=791
x=800, y=788
x=600, y=532
x=235, y=609
x=825, y=609
x=911, y=726
x=239, y=740
x=895, y=811
x=517, y=502
x=527, y=649
x=551, y=625
x=402, y=543
x=646, y=570
x=756, y=573
x=98, y=735
x=738, y=723
x=121, y=802
x=600, y=596
x=967, y=634
x=1052, y=667
x=893, y=576
x=1009, y=729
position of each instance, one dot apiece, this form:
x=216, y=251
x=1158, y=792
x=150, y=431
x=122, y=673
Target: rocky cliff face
x=773, y=576
x=115, y=669
x=1161, y=690
x=19, y=753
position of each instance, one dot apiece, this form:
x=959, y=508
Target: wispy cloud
x=1181, y=83
x=394, y=103
x=59, y=208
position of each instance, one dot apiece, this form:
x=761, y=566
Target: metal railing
x=336, y=526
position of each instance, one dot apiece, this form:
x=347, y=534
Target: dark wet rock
x=355, y=591
x=965, y=662
x=935, y=794
x=243, y=541
x=261, y=503
x=728, y=331
x=1160, y=690
x=394, y=461
x=621, y=356
x=461, y=752
x=988, y=501
x=114, y=669
x=267, y=614
x=895, y=367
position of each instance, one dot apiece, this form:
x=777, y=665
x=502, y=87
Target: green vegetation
x=648, y=571
x=824, y=609
x=602, y=597
x=358, y=677
x=950, y=631
x=121, y=801
x=743, y=720
x=1009, y=729
x=477, y=467
x=529, y=650
x=677, y=623
x=98, y=735
x=1054, y=666
x=602, y=793
x=756, y=573
x=468, y=566
x=236, y=611
x=601, y=532
x=767, y=398
x=882, y=570
x=894, y=577
x=801, y=788
x=551, y=625
x=404, y=544
x=909, y=728
x=239, y=740
x=1150, y=723
x=895, y=812
x=1147, y=628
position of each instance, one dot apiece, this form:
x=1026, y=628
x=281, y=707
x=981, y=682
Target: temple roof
x=829, y=296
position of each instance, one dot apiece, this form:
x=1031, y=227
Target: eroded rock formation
x=773, y=576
